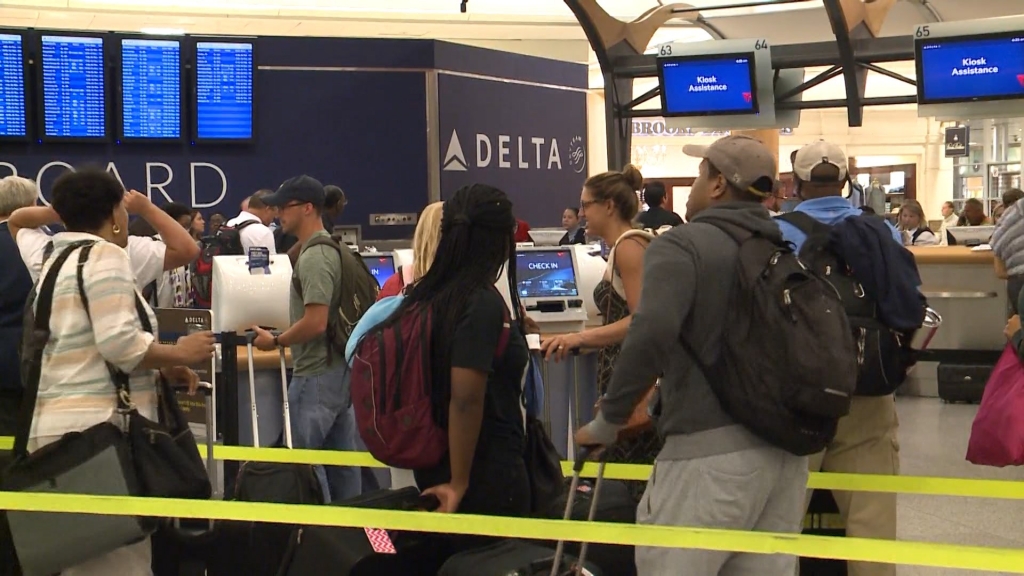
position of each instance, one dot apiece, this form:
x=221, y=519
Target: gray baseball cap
x=744, y=161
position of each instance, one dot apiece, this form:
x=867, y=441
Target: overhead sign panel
x=721, y=85
x=970, y=68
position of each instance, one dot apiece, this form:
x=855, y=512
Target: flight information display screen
x=12, y=87
x=150, y=89
x=713, y=84
x=973, y=68
x=545, y=274
x=74, y=87
x=224, y=80
x=382, y=267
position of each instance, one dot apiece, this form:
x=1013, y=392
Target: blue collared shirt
x=828, y=210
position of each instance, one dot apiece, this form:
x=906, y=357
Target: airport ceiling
x=485, y=20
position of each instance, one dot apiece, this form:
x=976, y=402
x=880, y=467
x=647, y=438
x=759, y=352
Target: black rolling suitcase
x=962, y=382
x=181, y=548
x=616, y=504
x=513, y=557
x=258, y=548
x=340, y=551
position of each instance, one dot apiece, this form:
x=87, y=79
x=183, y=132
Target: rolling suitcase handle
x=250, y=336
x=581, y=459
x=284, y=395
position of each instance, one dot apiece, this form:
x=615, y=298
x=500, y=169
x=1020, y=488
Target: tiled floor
x=933, y=441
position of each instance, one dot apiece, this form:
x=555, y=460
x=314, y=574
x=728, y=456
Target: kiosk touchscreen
x=548, y=284
x=970, y=235
x=381, y=265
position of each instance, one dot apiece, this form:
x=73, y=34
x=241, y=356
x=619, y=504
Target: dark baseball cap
x=304, y=189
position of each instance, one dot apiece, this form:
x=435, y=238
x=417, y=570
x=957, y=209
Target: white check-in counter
x=961, y=285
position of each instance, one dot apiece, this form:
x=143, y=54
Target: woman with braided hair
x=478, y=391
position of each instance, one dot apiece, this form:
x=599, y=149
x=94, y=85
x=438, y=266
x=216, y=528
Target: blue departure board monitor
x=12, y=87
x=224, y=91
x=74, y=87
x=970, y=68
x=150, y=89
x=702, y=85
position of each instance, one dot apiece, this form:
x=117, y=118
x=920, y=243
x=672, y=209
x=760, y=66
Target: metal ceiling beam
x=854, y=77
x=813, y=54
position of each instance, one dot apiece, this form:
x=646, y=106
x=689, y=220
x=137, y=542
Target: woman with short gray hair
x=15, y=284
x=16, y=192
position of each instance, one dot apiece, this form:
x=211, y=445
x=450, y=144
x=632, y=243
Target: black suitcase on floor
x=823, y=519
x=963, y=382
x=341, y=551
x=616, y=504
x=259, y=548
x=513, y=557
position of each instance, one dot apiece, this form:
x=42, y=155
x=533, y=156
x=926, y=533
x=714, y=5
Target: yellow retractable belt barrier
x=858, y=549
x=932, y=486
x=1004, y=489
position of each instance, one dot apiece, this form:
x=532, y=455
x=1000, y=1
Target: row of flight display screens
x=976, y=68
x=73, y=84
x=539, y=273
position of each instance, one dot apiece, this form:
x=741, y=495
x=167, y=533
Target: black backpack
x=883, y=354
x=226, y=242
x=787, y=366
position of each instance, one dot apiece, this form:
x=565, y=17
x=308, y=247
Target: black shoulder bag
x=166, y=456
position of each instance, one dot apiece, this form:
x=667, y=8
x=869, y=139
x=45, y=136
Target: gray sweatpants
x=757, y=489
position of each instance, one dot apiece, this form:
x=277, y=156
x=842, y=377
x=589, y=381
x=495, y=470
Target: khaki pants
x=865, y=444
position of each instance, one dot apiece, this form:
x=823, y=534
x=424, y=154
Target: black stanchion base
x=823, y=520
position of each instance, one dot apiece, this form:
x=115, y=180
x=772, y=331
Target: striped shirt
x=75, y=388
x=1008, y=240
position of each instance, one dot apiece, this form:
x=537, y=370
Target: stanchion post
x=228, y=402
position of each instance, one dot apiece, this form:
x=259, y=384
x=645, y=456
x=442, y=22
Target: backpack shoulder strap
x=318, y=241
x=41, y=325
x=804, y=223
x=242, y=225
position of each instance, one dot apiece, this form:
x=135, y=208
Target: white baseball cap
x=820, y=153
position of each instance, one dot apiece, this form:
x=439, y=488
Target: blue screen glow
x=545, y=274
x=12, y=86
x=382, y=267
x=959, y=69
x=224, y=75
x=74, y=101
x=718, y=84
x=151, y=88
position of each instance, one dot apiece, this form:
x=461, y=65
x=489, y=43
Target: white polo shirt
x=146, y=255
x=254, y=234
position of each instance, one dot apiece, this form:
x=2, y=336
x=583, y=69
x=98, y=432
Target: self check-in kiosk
x=380, y=264
x=548, y=287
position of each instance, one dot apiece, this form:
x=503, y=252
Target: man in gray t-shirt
x=319, y=394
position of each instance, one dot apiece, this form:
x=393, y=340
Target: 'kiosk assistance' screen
x=545, y=274
x=382, y=267
x=718, y=84
x=965, y=69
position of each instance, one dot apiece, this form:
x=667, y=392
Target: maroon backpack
x=391, y=391
x=226, y=242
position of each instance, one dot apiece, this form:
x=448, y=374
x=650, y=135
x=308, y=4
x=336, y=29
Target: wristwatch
x=276, y=343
